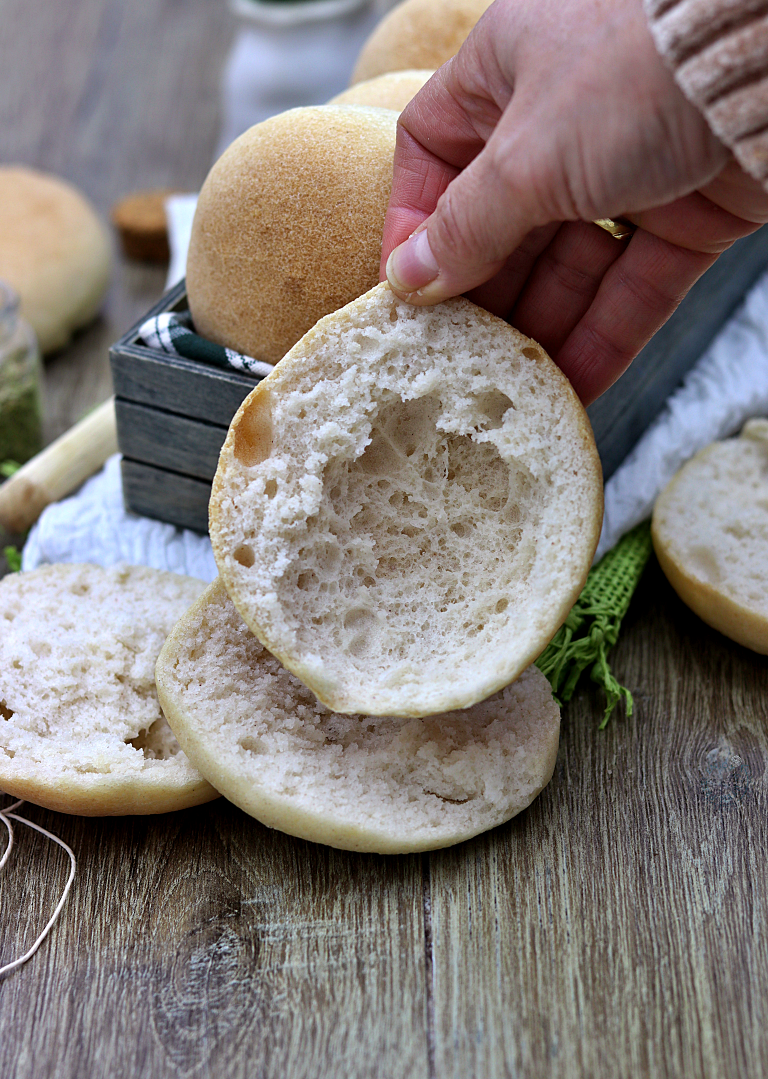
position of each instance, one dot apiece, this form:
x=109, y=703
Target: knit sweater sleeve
x=718, y=51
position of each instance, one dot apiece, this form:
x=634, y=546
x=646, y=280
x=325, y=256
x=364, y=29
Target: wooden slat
x=202, y=944
x=178, y=385
x=165, y=496
x=618, y=928
x=167, y=440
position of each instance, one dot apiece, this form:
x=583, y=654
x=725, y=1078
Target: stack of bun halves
x=404, y=512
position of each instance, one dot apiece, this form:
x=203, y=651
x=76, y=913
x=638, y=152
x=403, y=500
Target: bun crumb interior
x=406, y=509
x=355, y=782
x=81, y=729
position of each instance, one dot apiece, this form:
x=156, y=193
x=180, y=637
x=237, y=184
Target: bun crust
x=406, y=509
x=54, y=251
x=354, y=782
x=392, y=90
x=417, y=34
x=81, y=730
x=710, y=534
x=288, y=226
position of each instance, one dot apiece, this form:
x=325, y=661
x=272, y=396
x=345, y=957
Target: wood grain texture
x=203, y=944
x=165, y=496
x=112, y=96
x=619, y=927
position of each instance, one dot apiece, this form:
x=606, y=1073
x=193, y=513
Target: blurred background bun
x=390, y=91
x=54, y=251
x=417, y=34
x=288, y=226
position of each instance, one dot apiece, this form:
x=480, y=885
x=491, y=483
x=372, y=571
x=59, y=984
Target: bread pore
x=288, y=226
x=355, y=782
x=406, y=509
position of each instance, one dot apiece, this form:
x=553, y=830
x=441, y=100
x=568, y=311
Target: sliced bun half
x=354, y=782
x=710, y=534
x=81, y=729
x=406, y=509
x=417, y=34
x=288, y=226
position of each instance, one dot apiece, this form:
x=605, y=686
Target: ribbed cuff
x=718, y=51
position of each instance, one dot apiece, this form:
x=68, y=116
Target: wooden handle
x=58, y=469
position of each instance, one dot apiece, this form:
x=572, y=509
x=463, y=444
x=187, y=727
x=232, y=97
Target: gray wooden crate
x=173, y=413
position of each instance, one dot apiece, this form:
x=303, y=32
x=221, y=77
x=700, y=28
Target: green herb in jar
x=20, y=413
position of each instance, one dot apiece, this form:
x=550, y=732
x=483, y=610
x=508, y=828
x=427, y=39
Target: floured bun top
x=417, y=34
x=355, y=782
x=81, y=729
x=288, y=226
x=390, y=91
x=710, y=533
x=407, y=507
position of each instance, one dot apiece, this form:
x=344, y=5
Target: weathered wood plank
x=169, y=441
x=166, y=496
x=619, y=927
x=202, y=944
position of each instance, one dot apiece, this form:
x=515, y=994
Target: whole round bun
x=392, y=90
x=417, y=34
x=355, y=782
x=54, y=251
x=710, y=534
x=288, y=226
x=406, y=509
x=81, y=729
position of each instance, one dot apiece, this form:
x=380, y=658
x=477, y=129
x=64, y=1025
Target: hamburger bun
x=417, y=34
x=81, y=729
x=390, y=91
x=355, y=782
x=710, y=534
x=288, y=226
x=54, y=252
x=406, y=509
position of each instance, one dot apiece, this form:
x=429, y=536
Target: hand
x=555, y=113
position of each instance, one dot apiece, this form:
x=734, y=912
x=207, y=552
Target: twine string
x=7, y=815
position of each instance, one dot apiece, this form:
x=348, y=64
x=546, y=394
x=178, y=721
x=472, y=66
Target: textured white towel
x=94, y=526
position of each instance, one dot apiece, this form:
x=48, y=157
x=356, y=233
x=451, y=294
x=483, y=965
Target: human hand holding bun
x=552, y=115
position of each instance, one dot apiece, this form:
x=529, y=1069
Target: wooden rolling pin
x=58, y=469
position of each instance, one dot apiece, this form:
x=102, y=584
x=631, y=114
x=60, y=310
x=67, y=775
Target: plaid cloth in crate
x=173, y=333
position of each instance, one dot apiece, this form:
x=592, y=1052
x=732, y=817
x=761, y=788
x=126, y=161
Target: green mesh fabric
x=592, y=627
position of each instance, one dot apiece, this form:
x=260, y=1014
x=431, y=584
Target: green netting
x=592, y=627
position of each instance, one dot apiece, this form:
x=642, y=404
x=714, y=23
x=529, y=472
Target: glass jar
x=21, y=435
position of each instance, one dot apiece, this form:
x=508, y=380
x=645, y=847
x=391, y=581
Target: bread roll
x=406, y=509
x=288, y=226
x=355, y=782
x=710, y=534
x=417, y=34
x=54, y=251
x=390, y=91
x=81, y=730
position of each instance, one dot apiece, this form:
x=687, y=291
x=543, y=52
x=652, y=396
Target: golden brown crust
x=418, y=34
x=393, y=90
x=288, y=226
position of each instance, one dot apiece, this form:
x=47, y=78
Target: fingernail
x=412, y=266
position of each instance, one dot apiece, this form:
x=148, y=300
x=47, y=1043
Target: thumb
x=480, y=219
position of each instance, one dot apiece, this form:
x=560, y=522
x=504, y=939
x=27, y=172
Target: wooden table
x=618, y=928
